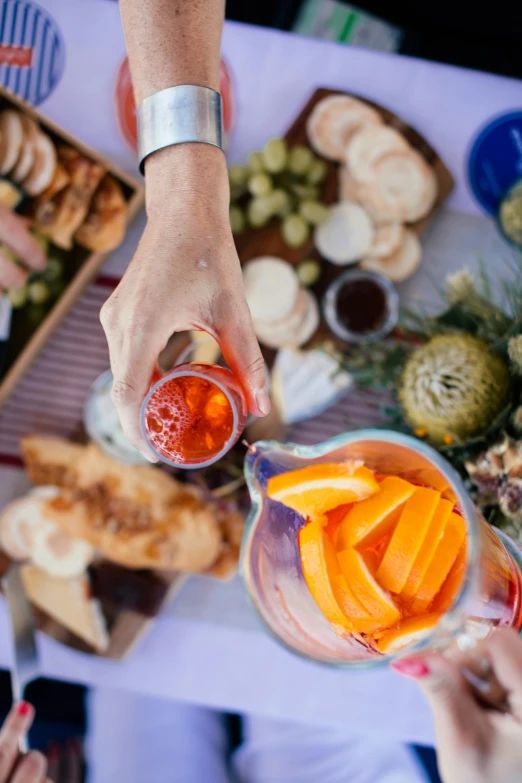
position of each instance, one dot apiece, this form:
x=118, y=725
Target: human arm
x=185, y=273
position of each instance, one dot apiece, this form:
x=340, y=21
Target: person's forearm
x=172, y=42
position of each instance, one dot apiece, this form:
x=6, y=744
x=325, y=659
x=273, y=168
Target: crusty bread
x=139, y=517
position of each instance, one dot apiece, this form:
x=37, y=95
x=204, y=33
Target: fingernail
x=263, y=401
x=411, y=668
x=23, y=708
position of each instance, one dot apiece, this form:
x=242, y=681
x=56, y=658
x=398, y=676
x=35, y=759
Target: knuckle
x=123, y=392
x=256, y=366
x=108, y=317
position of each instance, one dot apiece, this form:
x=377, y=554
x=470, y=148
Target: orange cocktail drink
x=193, y=415
x=368, y=546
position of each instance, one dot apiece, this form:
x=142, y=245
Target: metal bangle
x=187, y=113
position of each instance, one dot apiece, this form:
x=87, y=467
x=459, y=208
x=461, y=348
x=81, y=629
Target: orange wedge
x=427, y=550
x=451, y=586
x=430, y=477
x=359, y=618
x=320, y=567
x=377, y=602
x=314, y=490
x=406, y=632
x=441, y=563
x=450, y=495
x=370, y=519
x=334, y=519
x=407, y=539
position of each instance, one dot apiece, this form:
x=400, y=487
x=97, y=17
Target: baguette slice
x=400, y=264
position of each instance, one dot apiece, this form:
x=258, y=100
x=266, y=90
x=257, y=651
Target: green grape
x=317, y=172
x=38, y=292
x=313, y=212
x=237, y=220
x=295, y=230
x=260, y=184
x=237, y=175
x=53, y=270
x=300, y=159
x=17, y=296
x=308, y=192
x=255, y=162
x=308, y=271
x=275, y=154
x=281, y=202
x=259, y=211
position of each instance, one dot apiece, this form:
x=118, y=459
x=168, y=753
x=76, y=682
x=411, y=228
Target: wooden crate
x=25, y=343
x=267, y=241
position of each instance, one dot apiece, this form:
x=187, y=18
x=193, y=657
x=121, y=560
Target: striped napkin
x=50, y=397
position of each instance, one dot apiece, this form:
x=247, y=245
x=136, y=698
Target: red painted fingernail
x=415, y=669
x=23, y=708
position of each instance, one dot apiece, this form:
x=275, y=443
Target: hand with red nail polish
x=14, y=768
x=474, y=744
x=16, y=240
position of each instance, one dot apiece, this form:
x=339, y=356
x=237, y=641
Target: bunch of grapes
x=278, y=182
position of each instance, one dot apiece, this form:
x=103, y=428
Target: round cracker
x=399, y=184
x=288, y=324
x=369, y=144
x=427, y=202
x=386, y=239
x=349, y=187
x=44, y=166
x=346, y=235
x=25, y=161
x=271, y=288
x=400, y=264
x=276, y=338
x=12, y=133
x=334, y=120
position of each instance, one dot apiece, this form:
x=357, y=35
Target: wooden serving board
x=26, y=341
x=267, y=241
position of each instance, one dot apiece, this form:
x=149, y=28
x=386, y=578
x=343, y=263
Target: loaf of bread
x=137, y=516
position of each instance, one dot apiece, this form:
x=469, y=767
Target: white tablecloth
x=207, y=647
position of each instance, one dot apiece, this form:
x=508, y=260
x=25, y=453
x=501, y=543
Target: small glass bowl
x=102, y=424
x=330, y=307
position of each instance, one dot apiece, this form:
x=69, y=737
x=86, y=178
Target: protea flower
x=453, y=387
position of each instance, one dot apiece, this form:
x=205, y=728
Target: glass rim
x=451, y=619
x=330, y=310
x=177, y=372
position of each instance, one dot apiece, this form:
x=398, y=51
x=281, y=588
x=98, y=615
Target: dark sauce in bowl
x=361, y=306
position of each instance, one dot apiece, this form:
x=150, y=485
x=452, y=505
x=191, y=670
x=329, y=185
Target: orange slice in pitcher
x=316, y=489
x=428, y=548
x=432, y=478
x=377, y=602
x=359, y=618
x=320, y=567
x=407, y=539
x=452, y=583
x=370, y=519
x=441, y=563
x=406, y=632
x=334, y=519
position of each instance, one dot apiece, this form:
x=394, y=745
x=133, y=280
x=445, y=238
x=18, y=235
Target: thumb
x=240, y=348
x=459, y=720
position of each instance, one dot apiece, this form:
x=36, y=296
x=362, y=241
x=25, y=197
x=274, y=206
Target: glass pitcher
x=490, y=592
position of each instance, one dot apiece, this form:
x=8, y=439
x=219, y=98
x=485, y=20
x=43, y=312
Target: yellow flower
x=515, y=352
x=448, y=439
x=420, y=432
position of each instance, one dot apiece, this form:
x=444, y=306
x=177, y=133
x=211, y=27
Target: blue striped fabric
x=24, y=25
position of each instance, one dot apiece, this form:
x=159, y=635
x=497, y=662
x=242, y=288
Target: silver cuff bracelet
x=177, y=115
